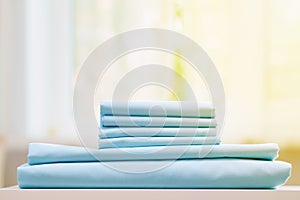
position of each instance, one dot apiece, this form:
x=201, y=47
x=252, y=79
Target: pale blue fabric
x=155, y=141
x=41, y=153
x=157, y=108
x=205, y=173
x=116, y=132
x=134, y=121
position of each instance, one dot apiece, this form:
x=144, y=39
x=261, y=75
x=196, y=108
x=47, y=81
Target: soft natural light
x=254, y=44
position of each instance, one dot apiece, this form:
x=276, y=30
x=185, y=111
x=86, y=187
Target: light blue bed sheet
x=116, y=132
x=134, y=121
x=158, y=108
x=41, y=153
x=155, y=141
x=205, y=173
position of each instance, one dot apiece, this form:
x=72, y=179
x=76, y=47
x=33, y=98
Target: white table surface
x=283, y=193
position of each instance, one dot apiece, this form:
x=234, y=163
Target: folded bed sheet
x=42, y=153
x=116, y=132
x=205, y=173
x=134, y=121
x=155, y=141
x=157, y=108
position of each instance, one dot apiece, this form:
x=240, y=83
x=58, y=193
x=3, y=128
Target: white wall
x=36, y=68
x=12, y=66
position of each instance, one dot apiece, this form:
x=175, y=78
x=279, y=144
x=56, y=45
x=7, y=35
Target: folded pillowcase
x=205, y=173
x=41, y=153
x=133, y=121
x=157, y=108
x=155, y=141
x=116, y=132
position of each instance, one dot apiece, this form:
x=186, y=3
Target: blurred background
x=254, y=44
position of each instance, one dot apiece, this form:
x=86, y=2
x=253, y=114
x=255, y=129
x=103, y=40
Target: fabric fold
x=133, y=121
x=158, y=108
x=41, y=153
x=116, y=132
x=205, y=173
x=155, y=141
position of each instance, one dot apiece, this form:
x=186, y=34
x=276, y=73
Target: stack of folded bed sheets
x=155, y=145
x=142, y=124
